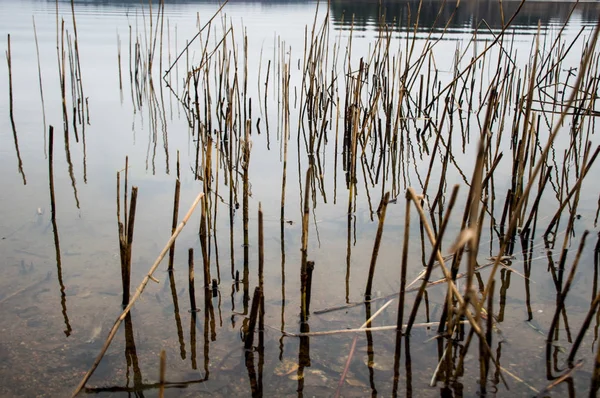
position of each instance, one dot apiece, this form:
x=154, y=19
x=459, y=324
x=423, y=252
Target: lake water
x=61, y=290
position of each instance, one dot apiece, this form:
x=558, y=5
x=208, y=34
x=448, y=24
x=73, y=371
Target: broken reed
x=304, y=249
x=126, y=227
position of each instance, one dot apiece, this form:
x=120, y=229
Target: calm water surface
x=56, y=314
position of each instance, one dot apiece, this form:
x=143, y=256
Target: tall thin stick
x=37, y=51
x=10, y=110
x=304, y=249
x=174, y=225
x=404, y=263
x=192, y=287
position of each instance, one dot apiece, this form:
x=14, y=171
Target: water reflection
x=466, y=17
x=178, y=320
x=431, y=13
x=389, y=121
x=63, y=297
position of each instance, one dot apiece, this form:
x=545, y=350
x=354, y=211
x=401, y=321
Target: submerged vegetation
x=442, y=171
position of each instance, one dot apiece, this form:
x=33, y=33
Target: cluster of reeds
x=393, y=112
x=69, y=66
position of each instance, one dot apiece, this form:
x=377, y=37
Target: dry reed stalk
x=261, y=248
x=10, y=110
x=177, y=316
x=404, y=264
x=37, y=52
x=193, y=340
x=246, y=190
x=191, y=284
x=119, y=64
x=215, y=218
x=542, y=158
x=434, y=253
x=231, y=197
x=521, y=156
x=126, y=241
x=137, y=295
x=79, y=82
x=63, y=299
x=261, y=282
x=365, y=329
x=595, y=386
x=249, y=335
x=161, y=373
x=484, y=358
x=204, y=246
x=61, y=69
x=383, y=207
x=304, y=248
x=125, y=219
x=175, y=216
x=51, y=171
x=286, y=128
x=461, y=301
x=189, y=43
x=476, y=191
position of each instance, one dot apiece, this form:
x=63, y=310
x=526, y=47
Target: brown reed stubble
x=125, y=242
x=304, y=248
x=204, y=245
x=249, y=336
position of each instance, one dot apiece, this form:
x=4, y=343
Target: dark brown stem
x=384, y=203
x=174, y=225
x=192, y=286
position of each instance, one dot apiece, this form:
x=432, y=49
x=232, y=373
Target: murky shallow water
x=53, y=324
